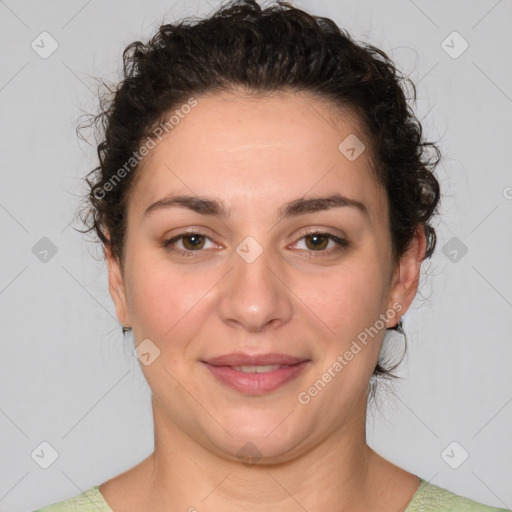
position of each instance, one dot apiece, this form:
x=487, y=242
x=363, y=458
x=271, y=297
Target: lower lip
x=256, y=383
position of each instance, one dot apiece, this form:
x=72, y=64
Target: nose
x=254, y=295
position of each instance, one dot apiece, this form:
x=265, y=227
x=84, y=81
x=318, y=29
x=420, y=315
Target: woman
x=264, y=199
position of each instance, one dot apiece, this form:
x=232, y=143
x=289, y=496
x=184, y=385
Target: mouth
x=256, y=375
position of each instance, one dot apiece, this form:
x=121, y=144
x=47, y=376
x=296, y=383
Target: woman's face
x=244, y=275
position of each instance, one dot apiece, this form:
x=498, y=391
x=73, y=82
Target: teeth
x=257, y=369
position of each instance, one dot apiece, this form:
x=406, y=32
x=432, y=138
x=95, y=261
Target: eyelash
x=341, y=243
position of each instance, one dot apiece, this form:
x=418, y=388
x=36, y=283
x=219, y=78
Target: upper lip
x=240, y=359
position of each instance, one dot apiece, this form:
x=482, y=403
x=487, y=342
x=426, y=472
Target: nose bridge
x=252, y=296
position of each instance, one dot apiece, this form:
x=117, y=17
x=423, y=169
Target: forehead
x=250, y=149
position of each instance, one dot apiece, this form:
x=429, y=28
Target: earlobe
x=116, y=286
x=407, y=275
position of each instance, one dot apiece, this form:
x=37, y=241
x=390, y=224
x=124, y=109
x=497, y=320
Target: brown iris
x=197, y=241
x=316, y=238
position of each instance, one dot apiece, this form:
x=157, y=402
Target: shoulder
x=89, y=501
x=431, y=498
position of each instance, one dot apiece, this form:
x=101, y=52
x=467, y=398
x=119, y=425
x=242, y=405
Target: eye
x=192, y=241
x=317, y=241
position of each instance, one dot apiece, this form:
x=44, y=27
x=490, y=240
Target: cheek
x=348, y=303
x=347, y=300
x=162, y=299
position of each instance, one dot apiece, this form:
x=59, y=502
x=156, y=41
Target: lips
x=238, y=359
x=256, y=374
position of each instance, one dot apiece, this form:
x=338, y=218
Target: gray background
x=70, y=380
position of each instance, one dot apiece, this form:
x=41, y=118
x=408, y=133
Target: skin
x=255, y=154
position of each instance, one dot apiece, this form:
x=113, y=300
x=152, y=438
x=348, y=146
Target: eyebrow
x=211, y=206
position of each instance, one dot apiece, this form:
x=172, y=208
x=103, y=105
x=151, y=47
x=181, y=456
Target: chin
x=261, y=436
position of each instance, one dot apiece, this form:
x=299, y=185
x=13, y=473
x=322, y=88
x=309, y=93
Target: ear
x=116, y=287
x=406, y=276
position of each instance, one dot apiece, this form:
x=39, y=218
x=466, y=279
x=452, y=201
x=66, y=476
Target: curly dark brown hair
x=263, y=50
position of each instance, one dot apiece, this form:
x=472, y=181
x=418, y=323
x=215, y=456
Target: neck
x=337, y=473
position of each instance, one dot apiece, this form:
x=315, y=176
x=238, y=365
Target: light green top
x=428, y=498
